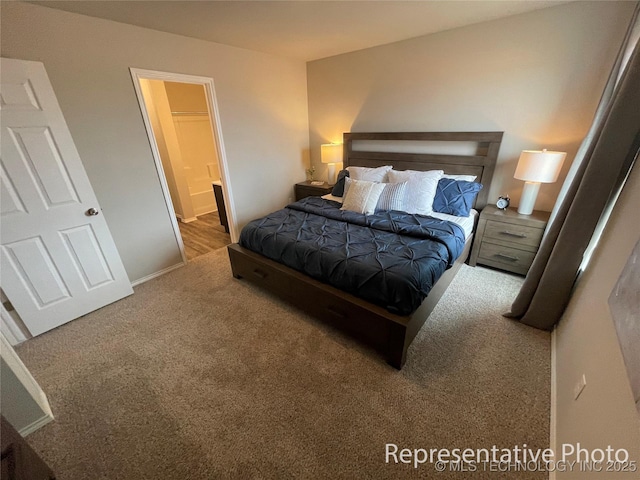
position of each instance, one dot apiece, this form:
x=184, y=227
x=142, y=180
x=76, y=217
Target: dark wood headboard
x=481, y=163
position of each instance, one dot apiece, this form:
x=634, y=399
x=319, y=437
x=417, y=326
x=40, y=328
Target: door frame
x=29, y=387
x=214, y=119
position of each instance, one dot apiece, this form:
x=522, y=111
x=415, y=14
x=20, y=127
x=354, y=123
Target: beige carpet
x=202, y=376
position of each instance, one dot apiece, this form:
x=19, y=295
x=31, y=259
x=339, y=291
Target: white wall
x=536, y=76
x=263, y=110
x=586, y=343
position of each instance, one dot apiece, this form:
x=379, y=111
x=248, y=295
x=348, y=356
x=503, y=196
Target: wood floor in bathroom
x=204, y=235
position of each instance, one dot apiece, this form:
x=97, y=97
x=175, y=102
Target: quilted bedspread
x=390, y=258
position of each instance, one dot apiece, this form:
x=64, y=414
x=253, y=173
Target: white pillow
x=362, y=196
x=421, y=188
x=461, y=178
x=393, y=197
x=378, y=174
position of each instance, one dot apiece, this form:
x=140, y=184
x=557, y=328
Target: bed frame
x=388, y=333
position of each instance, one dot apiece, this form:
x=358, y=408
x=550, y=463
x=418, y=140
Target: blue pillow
x=338, y=188
x=455, y=197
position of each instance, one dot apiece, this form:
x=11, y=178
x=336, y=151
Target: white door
x=59, y=260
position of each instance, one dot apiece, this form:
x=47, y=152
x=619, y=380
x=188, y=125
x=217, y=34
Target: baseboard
x=199, y=213
x=186, y=220
x=135, y=283
x=205, y=211
x=41, y=422
x=553, y=413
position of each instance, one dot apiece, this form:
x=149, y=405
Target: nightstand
x=507, y=240
x=305, y=189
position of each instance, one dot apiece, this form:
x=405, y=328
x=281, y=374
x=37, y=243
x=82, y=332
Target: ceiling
x=303, y=30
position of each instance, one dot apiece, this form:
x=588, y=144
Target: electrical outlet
x=290, y=200
x=577, y=390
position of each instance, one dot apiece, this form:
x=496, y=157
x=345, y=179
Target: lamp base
x=528, y=199
x=331, y=173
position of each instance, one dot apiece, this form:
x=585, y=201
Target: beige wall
x=605, y=413
x=194, y=135
x=263, y=112
x=185, y=144
x=536, y=76
x=159, y=111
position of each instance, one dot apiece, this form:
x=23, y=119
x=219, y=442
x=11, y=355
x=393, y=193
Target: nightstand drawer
x=506, y=258
x=516, y=234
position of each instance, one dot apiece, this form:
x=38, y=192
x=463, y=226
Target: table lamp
x=331, y=153
x=536, y=167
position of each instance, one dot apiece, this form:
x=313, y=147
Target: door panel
x=84, y=249
x=41, y=158
x=10, y=201
x=58, y=262
x=19, y=96
x=36, y=270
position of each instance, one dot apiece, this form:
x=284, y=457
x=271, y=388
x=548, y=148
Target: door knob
x=92, y=212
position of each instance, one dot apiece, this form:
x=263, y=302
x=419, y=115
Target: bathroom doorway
x=185, y=137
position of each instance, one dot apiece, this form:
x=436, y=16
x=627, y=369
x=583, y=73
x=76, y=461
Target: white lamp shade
x=541, y=166
x=331, y=153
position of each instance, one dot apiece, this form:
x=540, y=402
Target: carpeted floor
x=202, y=376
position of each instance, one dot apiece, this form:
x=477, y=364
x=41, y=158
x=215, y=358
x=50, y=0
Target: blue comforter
x=390, y=258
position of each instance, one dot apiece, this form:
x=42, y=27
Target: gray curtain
x=599, y=168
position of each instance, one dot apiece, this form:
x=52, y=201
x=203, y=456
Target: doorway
x=181, y=118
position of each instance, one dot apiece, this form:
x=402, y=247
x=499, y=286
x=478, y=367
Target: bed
x=353, y=304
